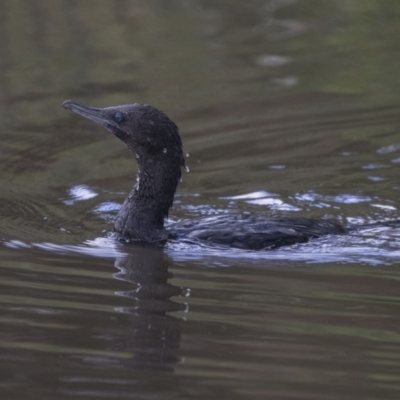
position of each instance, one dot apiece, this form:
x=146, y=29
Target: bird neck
x=141, y=217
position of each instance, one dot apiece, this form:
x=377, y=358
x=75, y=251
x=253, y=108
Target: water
x=286, y=108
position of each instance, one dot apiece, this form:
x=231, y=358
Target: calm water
x=286, y=108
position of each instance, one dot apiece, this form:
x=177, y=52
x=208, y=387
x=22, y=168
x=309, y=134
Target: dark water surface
x=286, y=108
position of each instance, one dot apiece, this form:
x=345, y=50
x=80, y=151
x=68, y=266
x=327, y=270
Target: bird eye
x=118, y=117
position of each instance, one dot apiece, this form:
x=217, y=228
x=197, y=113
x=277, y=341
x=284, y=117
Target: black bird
x=154, y=141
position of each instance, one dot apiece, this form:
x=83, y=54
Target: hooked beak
x=96, y=115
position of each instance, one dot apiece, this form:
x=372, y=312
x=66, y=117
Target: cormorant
x=153, y=139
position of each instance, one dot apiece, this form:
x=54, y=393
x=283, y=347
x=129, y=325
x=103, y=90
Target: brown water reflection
x=286, y=108
x=69, y=327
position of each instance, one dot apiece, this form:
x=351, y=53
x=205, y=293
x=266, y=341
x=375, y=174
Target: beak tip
x=66, y=104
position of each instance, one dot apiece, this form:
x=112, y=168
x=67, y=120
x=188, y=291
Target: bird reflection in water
x=146, y=329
